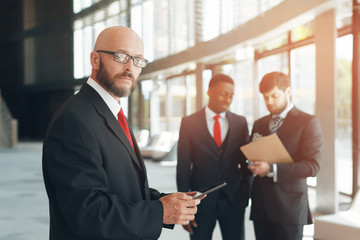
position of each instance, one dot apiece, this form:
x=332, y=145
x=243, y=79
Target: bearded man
x=94, y=174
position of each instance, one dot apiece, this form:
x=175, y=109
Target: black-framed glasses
x=121, y=57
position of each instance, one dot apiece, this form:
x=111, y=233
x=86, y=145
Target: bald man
x=94, y=174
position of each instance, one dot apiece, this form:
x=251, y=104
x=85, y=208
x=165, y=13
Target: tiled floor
x=24, y=206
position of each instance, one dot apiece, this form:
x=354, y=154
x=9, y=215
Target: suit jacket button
x=239, y=166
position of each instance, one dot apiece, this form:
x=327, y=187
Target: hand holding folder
x=269, y=149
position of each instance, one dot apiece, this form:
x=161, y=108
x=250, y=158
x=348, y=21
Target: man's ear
x=95, y=60
x=288, y=92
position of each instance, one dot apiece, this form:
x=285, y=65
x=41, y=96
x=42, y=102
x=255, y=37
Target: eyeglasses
x=125, y=58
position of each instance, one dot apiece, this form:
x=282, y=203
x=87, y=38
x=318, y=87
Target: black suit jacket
x=96, y=184
x=200, y=163
x=286, y=201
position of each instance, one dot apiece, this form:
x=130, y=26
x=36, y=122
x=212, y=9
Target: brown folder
x=269, y=149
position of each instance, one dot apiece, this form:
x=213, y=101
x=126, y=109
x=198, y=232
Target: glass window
x=244, y=90
x=113, y=8
x=158, y=107
x=98, y=27
x=177, y=102
x=207, y=74
x=136, y=19
x=87, y=46
x=344, y=14
x=227, y=15
x=148, y=30
x=78, y=54
x=303, y=83
x=190, y=94
x=303, y=78
x=245, y=10
x=161, y=29
x=112, y=21
x=79, y=5
x=278, y=62
x=268, y=4
x=210, y=21
x=302, y=32
x=181, y=37
x=141, y=96
x=242, y=73
x=277, y=42
x=344, y=114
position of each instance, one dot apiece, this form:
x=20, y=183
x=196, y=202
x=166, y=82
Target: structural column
x=199, y=85
x=325, y=40
x=356, y=98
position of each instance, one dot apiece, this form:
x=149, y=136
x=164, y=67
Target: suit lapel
x=111, y=121
x=231, y=135
x=288, y=121
x=263, y=126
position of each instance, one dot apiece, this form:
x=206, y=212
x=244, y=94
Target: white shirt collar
x=210, y=114
x=108, y=99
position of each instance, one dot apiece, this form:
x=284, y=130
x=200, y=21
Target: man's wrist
x=271, y=172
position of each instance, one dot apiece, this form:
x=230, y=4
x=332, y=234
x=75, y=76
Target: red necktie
x=217, y=131
x=123, y=124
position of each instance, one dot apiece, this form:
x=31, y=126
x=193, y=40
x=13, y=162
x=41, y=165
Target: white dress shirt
x=106, y=96
x=210, y=121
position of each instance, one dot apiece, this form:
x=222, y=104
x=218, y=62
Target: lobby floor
x=24, y=204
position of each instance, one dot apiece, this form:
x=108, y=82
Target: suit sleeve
x=183, y=170
x=248, y=176
x=308, y=155
x=75, y=169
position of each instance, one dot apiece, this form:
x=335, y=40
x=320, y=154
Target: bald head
x=119, y=38
x=117, y=77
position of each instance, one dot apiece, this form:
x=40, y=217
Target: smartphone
x=210, y=189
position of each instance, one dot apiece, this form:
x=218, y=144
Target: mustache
x=125, y=74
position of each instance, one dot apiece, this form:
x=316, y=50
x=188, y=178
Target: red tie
x=217, y=131
x=123, y=124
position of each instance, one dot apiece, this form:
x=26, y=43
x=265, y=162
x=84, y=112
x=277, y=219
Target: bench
x=343, y=225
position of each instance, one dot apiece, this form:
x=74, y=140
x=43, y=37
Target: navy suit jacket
x=96, y=183
x=200, y=163
x=286, y=201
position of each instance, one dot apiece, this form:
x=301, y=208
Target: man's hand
x=179, y=208
x=189, y=227
x=260, y=168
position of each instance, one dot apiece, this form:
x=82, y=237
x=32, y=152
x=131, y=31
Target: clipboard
x=269, y=149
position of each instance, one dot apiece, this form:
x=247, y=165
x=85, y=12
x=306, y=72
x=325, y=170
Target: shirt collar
x=210, y=114
x=105, y=95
